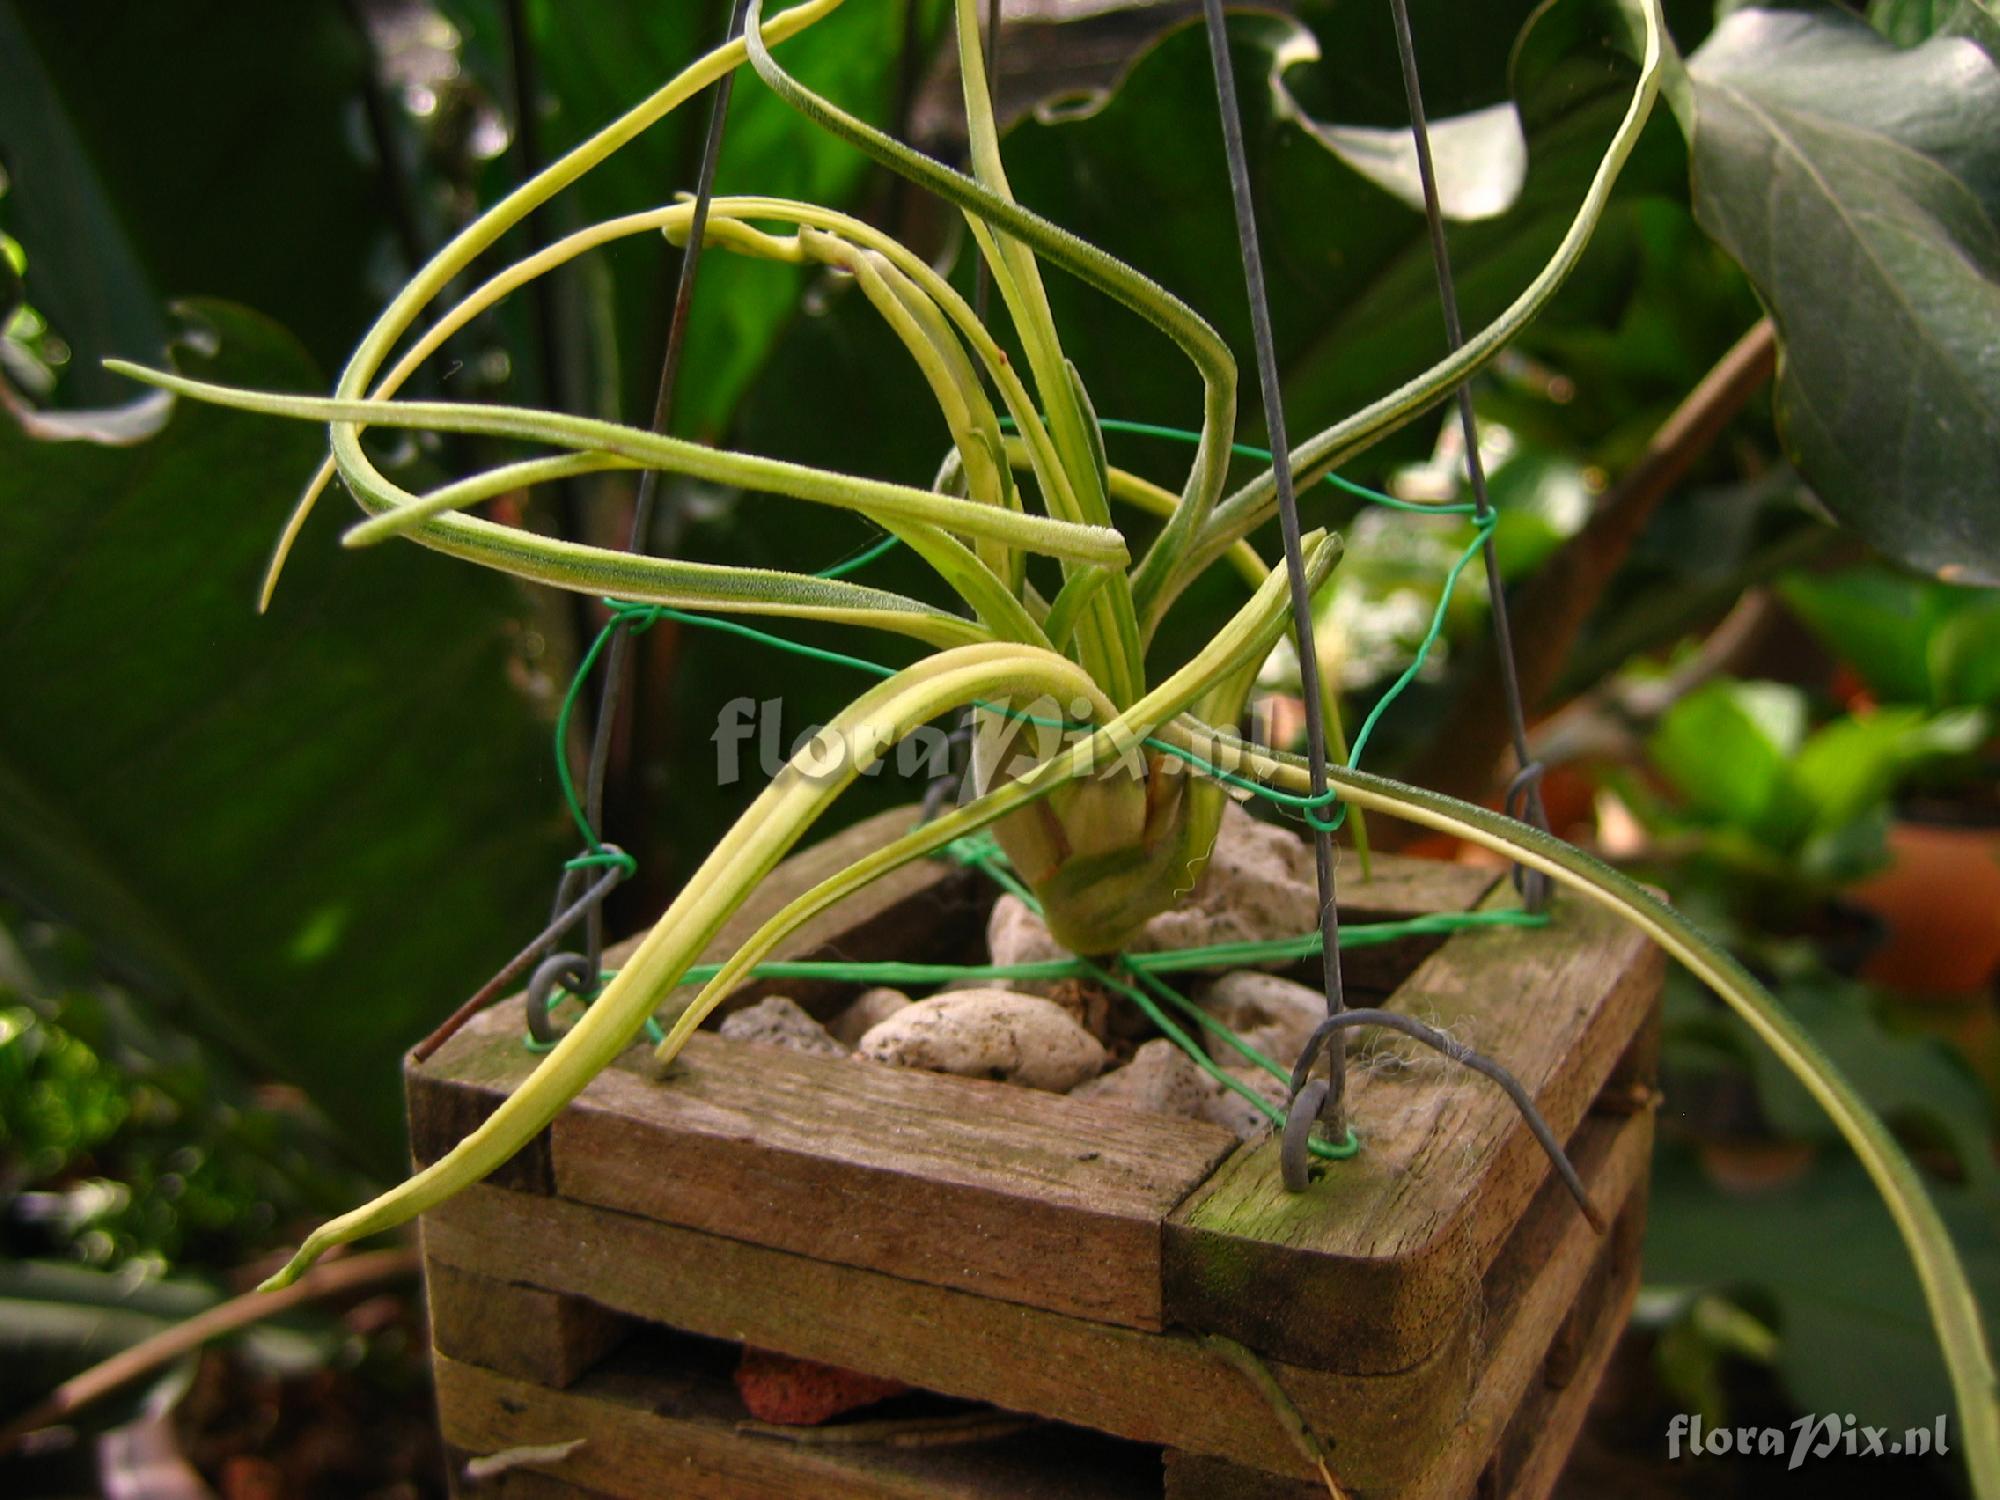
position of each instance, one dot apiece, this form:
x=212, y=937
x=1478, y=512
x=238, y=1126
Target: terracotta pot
x=1940, y=902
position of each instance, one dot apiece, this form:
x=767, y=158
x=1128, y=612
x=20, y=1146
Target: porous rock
x=1258, y=885
x=1016, y=935
x=776, y=1021
x=1160, y=1079
x=1273, y=1014
x=869, y=1009
x=1236, y=1114
x=989, y=1033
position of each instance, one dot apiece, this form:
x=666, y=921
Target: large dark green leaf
x=314, y=829
x=1462, y=53
x=1350, y=95
x=209, y=147
x=1824, y=1255
x=1858, y=186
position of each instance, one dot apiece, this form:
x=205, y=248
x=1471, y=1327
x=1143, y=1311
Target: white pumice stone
x=990, y=1033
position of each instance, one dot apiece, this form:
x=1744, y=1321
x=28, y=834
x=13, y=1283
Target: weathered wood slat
x=1162, y=1388
x=1018, y=1195
x=1436, y=1309
x=1548, y=1423
x=538, y=1335
x=1524, y=1312
x=1398, y=887
x=650, y=1429
x=1024, y=1196
x=1373, y=1263
x=924, y=911
x=1538, y=1446
x=514, y=1484
x=1013, y=1193
x=1198, y=1476
x=1149, y=1387
x=927, y=911
x=1536, y=1388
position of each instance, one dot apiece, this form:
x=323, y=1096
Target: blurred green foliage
x=1787, y=803
x=1912, y=640
x=124, y=1142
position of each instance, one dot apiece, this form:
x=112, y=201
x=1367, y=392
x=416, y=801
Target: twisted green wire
x=982, y=851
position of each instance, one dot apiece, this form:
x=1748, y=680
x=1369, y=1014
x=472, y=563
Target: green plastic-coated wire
x=1171, y=961
x=1482, y=527
x=626, y=615
x=981, y=851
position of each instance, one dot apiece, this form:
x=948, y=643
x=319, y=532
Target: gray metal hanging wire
x=612, y=684
x=1524, y=795
x=1331, y=1112
x=580, y=898
x=1317, y=1103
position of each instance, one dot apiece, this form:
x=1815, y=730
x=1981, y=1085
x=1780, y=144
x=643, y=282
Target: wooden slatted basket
x=1435, y=1309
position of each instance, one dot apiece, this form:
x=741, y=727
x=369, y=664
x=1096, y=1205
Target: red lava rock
x=798, y=1393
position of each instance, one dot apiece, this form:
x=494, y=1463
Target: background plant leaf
x=314, y=831
x=1727, y=746
x=1774, y=1244
x=1911, y=640
x=1740, y=757
x=210, y=148
x=1858, y=185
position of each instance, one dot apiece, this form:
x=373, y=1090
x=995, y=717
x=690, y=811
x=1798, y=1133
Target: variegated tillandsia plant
x=1110, y=826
